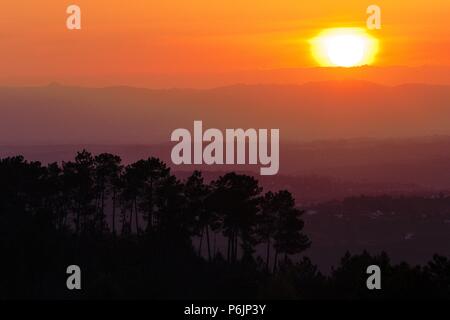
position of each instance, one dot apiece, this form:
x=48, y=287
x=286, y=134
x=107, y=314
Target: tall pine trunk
x=130, y=222
x=136, y=217
x=235, y=246
x=200, y=244
x=114, y=212
x=275, y=261
x=229, y=249
x=150, y=222
x=207, y=242
x=102, y=217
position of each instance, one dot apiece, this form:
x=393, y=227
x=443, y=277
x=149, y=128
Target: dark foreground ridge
x=137, y=231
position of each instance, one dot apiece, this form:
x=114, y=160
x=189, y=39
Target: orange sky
x=179, y=36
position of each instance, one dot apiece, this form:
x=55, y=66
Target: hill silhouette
x=342, y=109
x=137, y=231
x=386, y=75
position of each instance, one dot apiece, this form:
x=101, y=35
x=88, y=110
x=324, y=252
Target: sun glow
x=344, y=47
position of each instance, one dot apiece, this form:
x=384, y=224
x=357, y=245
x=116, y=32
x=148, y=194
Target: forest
x=137, y=231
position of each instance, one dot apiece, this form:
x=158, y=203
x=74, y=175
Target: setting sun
x=344, y=47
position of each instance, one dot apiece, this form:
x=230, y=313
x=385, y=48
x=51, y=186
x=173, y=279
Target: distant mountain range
x=319, y=110
x=389, y=75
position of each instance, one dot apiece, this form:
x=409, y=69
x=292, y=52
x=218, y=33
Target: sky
x=119, y=38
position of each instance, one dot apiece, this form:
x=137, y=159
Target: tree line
x=137, y=231
x=97, y=194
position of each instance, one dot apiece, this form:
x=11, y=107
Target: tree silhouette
x=52, y=216
x=132, y=185
x=235, y=199
x=288, y=237
x=56, y=199
x=173, y=224
x=266, y=223
x=107, y=174
x=197, y=194
x=78, y=179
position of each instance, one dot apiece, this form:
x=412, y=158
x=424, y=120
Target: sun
x=344, y=47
